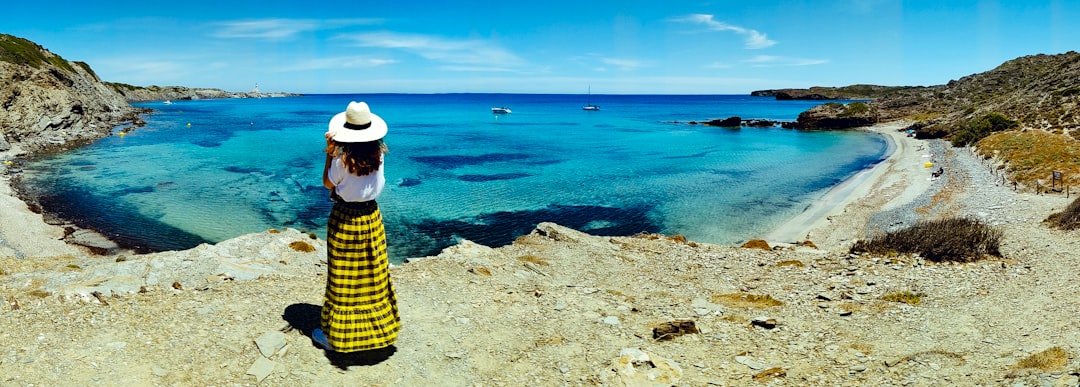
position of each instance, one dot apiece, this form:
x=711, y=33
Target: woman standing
x=359, y=309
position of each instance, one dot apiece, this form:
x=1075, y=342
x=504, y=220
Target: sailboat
x=588, y=103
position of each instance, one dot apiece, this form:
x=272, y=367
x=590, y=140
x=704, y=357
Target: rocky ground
x=559, y=307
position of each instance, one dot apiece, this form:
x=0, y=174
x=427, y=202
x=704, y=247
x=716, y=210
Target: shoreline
x=818, y=222
x=21, y=229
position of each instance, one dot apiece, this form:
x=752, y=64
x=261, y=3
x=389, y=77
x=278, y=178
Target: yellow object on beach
x=928, y=165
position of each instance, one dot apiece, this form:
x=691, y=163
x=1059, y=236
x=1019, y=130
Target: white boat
x=588, y=103
x=500, y=110
x=167, y=102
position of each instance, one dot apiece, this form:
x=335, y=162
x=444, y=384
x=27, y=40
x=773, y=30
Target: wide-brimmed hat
x=357, y=124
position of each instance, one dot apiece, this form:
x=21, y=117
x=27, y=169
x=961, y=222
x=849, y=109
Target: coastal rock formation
x=179, y=93
x=835, y=115
x=51, y=103
x=830, y=93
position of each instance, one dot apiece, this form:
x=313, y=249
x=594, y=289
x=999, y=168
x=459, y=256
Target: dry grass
x=950, y=239
x=745, y=300
x=1033, y=155
x=481, y=271
x=1052, y=359
x=794, y=262
x=906, y=297
x=757, y=244
x=273, y=231
x=302, y=246
x=771, y=373
x=534, y=259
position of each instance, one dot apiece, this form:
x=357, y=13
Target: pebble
x=750, y=362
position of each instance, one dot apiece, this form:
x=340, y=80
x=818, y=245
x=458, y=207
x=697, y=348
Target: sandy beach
x=833, y=219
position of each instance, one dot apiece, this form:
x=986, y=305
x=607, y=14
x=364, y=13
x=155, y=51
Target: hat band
x=357, y=127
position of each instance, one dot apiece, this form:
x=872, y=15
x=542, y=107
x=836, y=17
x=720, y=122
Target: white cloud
x=440, y=49
x=342, y=62
x=752, y=38
x=624, y=64
x=778, y=61
x=280, y=29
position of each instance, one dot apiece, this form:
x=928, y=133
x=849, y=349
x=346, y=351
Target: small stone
x=158, y=371
x=261, y=368
x=764, y=322
x=858, y=368
x=611, y=320
x=750, y=362
x=560, y=305
x=270, y=342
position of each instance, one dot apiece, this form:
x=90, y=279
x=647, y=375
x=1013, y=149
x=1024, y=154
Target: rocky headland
x=180, y=93
x=561, y=307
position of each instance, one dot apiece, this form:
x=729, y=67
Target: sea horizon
x=202, y=171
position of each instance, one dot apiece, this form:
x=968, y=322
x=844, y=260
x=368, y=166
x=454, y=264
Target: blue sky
x=554, y=46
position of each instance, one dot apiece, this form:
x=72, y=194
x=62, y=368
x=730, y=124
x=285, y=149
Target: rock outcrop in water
x=51, y=103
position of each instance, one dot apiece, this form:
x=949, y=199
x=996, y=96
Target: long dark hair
x=360, y=158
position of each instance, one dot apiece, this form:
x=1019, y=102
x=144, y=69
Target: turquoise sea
x=208, y=170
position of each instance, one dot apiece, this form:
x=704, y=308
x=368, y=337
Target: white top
x=352, y=188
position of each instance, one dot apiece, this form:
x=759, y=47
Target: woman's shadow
x=305, y=318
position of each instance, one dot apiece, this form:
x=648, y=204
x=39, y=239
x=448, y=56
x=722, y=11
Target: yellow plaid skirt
x=359, y=309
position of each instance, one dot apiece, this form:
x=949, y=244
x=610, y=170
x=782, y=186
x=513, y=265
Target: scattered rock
x=635, y=367
x=262, y=368
x=750, y=362
x=764, y=322
x=270, y=342
x=672, y=329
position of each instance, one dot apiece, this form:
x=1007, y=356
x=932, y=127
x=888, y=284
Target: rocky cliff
x=50, y=103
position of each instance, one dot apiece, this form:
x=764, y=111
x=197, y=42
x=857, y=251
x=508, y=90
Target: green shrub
x=952, y=239
x=855, y=108
x=981, y=127
x=24, y=52
x=1067, y=219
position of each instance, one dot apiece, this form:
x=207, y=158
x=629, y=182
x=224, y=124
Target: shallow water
x=209, y=170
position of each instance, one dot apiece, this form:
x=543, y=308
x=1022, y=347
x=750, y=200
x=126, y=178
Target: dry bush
x=273, y=231
x=905, y=297
x=1068, y=219
x=952, y=239
x=1049, y=360
x=302, y=246
x=757, y=244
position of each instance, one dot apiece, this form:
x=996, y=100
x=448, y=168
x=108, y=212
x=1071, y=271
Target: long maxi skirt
x=360, y=308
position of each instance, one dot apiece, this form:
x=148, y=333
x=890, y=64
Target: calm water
x=205, y=171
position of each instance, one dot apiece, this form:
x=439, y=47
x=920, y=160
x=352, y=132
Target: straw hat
x=357, y=124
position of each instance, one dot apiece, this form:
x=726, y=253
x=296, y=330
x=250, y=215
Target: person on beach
x=359, y=310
